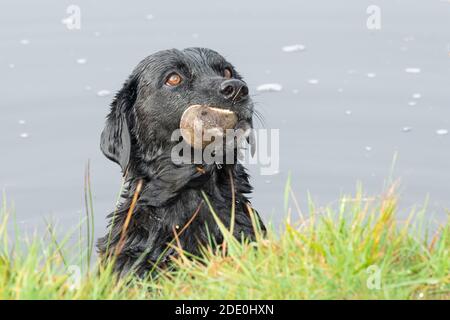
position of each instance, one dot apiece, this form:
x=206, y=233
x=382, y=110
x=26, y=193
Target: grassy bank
x=358, y=250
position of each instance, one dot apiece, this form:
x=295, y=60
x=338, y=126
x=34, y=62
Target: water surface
x=346, y=106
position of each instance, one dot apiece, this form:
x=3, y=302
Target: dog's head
x=149, y=107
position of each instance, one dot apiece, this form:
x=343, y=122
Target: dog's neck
x=171, y=196
x=163, y=180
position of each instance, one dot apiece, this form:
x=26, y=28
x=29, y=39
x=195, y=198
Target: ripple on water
x=293, y=48
x=413, y=70
x=442, y=132
x=406, y=129
x=267, y=87
x=103, y=93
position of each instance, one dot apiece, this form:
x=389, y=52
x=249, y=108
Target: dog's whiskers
x=257, y=114
x=236, y=95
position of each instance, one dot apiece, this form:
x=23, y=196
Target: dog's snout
x=234, y=89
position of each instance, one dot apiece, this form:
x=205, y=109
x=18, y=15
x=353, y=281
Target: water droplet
x=417, y=96
x=81, y=60
x=103, y=93
x=313, y=81
x=24, y=42
x=413, y=70
x=269, y=87
x=293, y=48
x=24, y=135
x=368, y=148
x=22, y=122
x=406, y=129
x=371, y=75
x=348, y=112
x=442, y=132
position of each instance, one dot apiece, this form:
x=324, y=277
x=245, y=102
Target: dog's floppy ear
x=115, y=139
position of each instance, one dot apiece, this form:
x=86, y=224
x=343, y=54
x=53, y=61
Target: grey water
x=348, y=99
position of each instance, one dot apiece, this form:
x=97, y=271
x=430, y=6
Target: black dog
x=137, y=136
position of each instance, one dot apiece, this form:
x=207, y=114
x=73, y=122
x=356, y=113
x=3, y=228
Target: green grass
x=358, y=249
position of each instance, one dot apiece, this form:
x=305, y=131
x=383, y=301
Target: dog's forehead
x=195, y=59
x=203, y=57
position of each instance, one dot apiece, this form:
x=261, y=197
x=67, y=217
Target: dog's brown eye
x=227, y=74
x=173, y=79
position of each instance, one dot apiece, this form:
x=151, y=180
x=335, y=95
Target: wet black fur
x=137, y=136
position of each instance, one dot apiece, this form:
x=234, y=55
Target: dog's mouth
x=201, y=125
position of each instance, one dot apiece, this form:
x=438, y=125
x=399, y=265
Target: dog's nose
x=234, y=89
